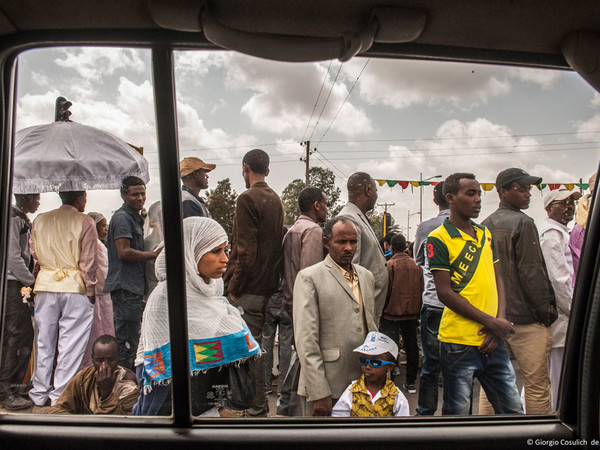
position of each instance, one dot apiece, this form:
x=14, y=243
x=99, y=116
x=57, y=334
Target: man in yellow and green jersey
x=461, y=258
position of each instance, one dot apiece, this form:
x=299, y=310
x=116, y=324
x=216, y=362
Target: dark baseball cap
x=514, y=175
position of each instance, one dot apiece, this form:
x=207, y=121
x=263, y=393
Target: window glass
x=408, y=124
x=86, y=191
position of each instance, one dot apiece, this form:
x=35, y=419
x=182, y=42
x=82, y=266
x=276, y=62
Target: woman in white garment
x=218, y=338
x=103, y=309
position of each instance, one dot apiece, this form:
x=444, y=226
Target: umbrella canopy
x=69, y=156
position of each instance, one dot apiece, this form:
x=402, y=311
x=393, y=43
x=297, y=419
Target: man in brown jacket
x=253, y=271
x=403, y=306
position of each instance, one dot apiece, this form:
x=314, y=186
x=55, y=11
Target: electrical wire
x=344, y=102
x=317, y=100
x=326, y=101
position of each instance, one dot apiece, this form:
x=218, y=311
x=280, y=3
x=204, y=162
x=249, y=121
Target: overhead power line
x=353, y=141
x=326, y=101
x=331, y=165
x=491, y=147
x=317, y=100
x=344, y=102
x=455, y=155
x=570, y=133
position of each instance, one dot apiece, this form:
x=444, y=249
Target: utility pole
x=306, y=159
x=408, y=214
x=385, y=207
x=421, y=194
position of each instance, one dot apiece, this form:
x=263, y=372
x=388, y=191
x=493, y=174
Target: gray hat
x=514, y=175
x=560, y=194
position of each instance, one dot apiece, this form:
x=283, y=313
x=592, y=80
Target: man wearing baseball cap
x=194, y=175
x=530, y=302
x=554, y=238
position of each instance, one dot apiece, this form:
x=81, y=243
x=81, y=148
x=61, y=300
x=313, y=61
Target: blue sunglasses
x=372, y=362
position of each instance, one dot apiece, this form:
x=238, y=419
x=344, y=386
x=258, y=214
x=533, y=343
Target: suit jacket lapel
x=337, y=274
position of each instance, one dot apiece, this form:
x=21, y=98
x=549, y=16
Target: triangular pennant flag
x=569, y=187
x=391, y=183
x=554, y=187
x=487, y=186
x=414, y=183
x=381, y=182
x=403, y=184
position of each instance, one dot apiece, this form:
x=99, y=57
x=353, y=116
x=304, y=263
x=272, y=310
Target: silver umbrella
x=69, y=156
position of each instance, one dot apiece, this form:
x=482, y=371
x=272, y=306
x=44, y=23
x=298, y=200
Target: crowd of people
x=459, y=302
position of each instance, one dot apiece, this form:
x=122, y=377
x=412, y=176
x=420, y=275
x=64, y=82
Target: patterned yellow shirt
x=352, y=280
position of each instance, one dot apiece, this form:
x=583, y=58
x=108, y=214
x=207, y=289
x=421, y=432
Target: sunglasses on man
x=372, y=362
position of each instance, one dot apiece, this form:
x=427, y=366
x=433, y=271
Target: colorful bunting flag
x=485, y=186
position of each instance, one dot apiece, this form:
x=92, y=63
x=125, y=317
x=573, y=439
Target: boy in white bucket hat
x=373, y=394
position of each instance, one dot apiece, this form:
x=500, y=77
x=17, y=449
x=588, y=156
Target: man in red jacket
x=403, y=306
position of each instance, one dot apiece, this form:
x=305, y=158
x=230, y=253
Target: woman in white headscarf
x=217, y=334
x=103, y=308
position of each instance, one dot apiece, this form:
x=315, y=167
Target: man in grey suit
x=333, y=312
x=362, y=197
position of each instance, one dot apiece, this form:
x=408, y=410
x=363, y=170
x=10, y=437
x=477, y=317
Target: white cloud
x=131, y=118
x=589, y=129
x=199, y=64
x=479, y=146
x=40, y=79
x=35, y=109
x=193, y=134
x=92, y=63
x=282, y=97
x=406, y=83
x=596, y=100
x=543, y=77
x=553, y=175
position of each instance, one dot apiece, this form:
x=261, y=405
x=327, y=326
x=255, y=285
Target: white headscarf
x=200, y=236
x=96, y=216
x=210, y=315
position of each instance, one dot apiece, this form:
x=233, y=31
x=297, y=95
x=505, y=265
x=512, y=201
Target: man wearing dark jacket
x=17, y=338
x=403, y=306
x=530, y=302
x=253, y=271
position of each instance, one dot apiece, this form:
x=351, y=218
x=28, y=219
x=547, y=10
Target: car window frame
x=162, y=46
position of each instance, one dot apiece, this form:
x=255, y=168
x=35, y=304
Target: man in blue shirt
x=194, y=176
x=126, y=256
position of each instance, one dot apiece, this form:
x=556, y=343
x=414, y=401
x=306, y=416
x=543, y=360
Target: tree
x=289, y=198
x=221, y=204
x=318, y=177
x=376, y=220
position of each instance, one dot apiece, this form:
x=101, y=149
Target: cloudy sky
x=392, y=119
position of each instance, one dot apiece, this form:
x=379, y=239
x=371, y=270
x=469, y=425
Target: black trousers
x=17, y=338
x=408, y=328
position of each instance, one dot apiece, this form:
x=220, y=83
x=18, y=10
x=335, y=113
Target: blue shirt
x=125, y=223
x=429, y=293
